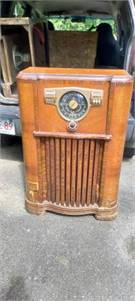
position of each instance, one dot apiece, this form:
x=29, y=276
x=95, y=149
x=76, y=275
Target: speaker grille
x=72, y=170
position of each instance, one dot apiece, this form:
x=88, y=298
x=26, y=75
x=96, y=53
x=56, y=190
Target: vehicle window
x=95, y=40
x=77, y=23
x=126, y=27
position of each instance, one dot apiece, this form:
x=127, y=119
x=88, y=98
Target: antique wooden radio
x=74, y=123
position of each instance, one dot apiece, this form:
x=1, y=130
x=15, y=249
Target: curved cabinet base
x=106, y=216
x=101, y=213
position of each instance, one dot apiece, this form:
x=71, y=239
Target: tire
x=7, y=140
x=129, y=153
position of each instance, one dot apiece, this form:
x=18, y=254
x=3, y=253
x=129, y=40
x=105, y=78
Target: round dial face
x=73, y=105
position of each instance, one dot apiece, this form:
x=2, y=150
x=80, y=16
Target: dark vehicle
x=114, y=48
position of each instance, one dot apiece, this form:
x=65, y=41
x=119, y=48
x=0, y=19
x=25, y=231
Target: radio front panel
x=73, y=124
x=78, y=103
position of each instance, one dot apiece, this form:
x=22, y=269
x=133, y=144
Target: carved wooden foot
x=35, y=208
x=106, y=216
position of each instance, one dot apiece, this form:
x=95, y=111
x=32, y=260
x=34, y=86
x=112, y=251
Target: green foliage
x=19, y=9
x=88, y=24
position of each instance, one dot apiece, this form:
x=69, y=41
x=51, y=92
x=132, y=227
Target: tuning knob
x=72, y=126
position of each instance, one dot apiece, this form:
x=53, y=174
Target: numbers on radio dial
x=73, y=105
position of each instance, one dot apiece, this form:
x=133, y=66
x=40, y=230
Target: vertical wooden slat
x=40, y=168
x=43, y=169
x=90, y=171
x=57, y=168
x=47, y=150
x=99, y=170
x=68, y=171
x=85, y=172
x=79, y=173
x=95, y=173
x=52, y=169
x=73, y=172
x=63, y=182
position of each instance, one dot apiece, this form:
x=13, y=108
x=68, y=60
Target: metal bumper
x=11, y=112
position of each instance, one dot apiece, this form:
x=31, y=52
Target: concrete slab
x=60, y=258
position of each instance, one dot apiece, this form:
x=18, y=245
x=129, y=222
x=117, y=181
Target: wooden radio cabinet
x=74, y=123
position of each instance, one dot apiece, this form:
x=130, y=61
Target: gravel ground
x=58, y=258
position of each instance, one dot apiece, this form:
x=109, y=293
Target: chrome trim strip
x=8, y=101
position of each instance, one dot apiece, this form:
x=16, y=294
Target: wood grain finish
x=73, y=170
x=74, y=173
x=58, y=169
x=85, y=164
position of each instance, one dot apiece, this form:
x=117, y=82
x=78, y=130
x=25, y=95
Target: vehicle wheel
x=7, y=140
x=129, y=153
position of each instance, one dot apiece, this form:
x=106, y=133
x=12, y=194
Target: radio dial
x=73, y=104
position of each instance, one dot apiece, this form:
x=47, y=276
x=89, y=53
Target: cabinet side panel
x=27, y=92
x=119, y=104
